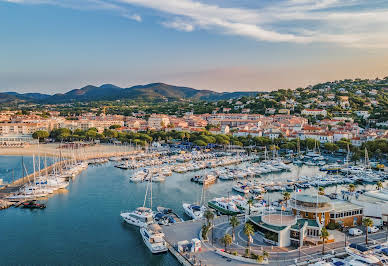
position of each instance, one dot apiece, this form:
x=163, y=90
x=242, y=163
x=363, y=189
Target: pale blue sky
x=57, y=45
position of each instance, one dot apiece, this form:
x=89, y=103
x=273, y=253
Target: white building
x=314, y=112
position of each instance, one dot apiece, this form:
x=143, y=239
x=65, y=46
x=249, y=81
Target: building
x=322, y=137
x=158, y=121
x=314, y=112
x=303, y=224
x=284, y=111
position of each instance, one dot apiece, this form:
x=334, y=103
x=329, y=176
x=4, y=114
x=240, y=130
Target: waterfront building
x=303, y=224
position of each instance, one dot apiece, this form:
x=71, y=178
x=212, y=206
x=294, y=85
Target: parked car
x=373, y=229
x=355, y=232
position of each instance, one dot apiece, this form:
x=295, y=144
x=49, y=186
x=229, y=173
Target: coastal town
x=282, y=178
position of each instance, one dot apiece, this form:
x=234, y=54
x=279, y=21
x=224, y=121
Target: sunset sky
x=224, y=45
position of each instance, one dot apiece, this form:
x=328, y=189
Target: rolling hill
x=112, y=92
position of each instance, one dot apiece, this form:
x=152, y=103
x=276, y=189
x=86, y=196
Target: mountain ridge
x=112, y=92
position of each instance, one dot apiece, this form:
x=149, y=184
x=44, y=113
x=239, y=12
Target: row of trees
x=376, y=148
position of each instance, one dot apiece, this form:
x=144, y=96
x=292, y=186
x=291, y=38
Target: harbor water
x=82, y=224
x=15, y=167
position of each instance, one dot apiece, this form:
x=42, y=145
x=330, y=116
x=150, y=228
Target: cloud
x=84, y=5
x=350, y=23
x=135, y=17
x=179, y=25
x=296, y=21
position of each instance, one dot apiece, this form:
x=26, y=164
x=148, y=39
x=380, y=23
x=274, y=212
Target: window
x=331, y=215
x=360, y=211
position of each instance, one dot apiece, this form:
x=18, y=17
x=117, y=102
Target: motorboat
x=153, y=238
x=241, y=188
x=194, y=211
x=224, y=206
x=166, y=216
x=142, y=216
x=361, y=253
x=33, y=205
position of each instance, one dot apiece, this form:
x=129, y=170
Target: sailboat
x=142, y=216
x=196, y=211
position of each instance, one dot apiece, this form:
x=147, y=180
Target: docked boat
x=142, y=216
x=166, y=216
x=153, y=238
x=224, y=206
x=361, y=253
x=33, y=205
x=207, y=179
x=194, y=211
x=241, y=188
x=242, y=204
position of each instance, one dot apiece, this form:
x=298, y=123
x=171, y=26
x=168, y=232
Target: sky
x=53, y=46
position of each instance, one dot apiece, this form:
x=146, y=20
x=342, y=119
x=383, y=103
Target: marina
x=264, y=181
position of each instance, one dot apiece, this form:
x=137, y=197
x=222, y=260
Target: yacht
x=142, y=216
x=361, y=254
x=224, y=206
x=242, y=188
x=166, y=216
x=153, y=237
x=194, y=211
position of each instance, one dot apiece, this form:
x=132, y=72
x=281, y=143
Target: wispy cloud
x=355, y=23
x=121, y=10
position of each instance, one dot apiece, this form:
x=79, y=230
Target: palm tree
x=379, y=185
x=249, y=232
x=226, y=240
x=367, y=222
x=351, y=188
x=250, y=203
x=321, y=191
x=234, y=222
x=209, y=215
x=324, y=236
x=286, y=196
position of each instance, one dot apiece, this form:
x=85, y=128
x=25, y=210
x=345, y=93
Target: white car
x=373, y=229
x=355, y=232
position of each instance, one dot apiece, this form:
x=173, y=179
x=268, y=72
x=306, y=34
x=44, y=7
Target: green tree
x=351, y=188
x=114, y=126
x=324, y=236
x=367, y=222
x=321, y=191
x=331, y=147
x=40, y=135
x=209, y=215
x=286, y=196
x=226, y=240
x=200, y=142
x=249, y=232
x=91, y=134
x=110, y=134
x=234, y=222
